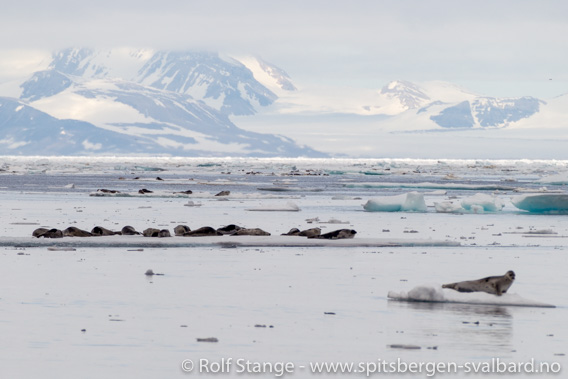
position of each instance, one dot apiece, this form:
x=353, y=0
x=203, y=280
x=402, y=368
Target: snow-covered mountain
x=139, y=101
x=437, y=105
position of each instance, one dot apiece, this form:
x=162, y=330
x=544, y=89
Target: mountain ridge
x=190, y=103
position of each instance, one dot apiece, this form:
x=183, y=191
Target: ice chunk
x=436, y=294
x=542, y=203
x=559, y=179
x=289, y=207
x=481, y=202
x=448, y=207
x=408, y=202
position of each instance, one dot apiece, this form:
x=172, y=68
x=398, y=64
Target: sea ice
x=436, y=294
x=289, y=207
x=480, y=203
x=408, y=202
x=559, y=179
x=448, y=207
x=542, y=203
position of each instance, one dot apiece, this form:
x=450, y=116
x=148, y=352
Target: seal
x=180, y=230
x=229, y=229
x=47, y=233
x=495, y=285
x=129, y=231
x=204, y=231
x=164, y=233
x=104, y=190
x=39, y=232
x=310, y=233
x=250, y=232
x=151, y=232
x=337, y=234
x=100, y=231
x=76, y=232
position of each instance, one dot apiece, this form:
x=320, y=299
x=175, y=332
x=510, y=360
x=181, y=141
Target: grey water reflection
x=478, y=330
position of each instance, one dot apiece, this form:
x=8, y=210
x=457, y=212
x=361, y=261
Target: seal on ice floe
x=100, y=231
x=310, y=233
x=129, y=231
x=47, y=233
x=181, y=229
x=152, y=232
x=337, y=234
x=204, y=231
x=229, y=229
x=495, y=285
x=76, y=232
x=250, y=232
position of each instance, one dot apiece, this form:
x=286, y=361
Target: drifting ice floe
x=436, y=186
x=409, y=202
x=542, y=203
x=559, y=179
x=480, y=203
x=436, y=294
x=289, y=207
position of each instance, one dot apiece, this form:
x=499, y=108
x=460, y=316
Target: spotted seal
x=100, y=231
x=129, y=231
x=336, y=234
x=47, y=233
x=204, y=231
x=76, y=232
x=152, y=232
x=310, y=233
x=495, y=285
x=180, y=230
x=250, y=232
x=229, y=229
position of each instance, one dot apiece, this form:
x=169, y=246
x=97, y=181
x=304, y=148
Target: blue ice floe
x=478, y=203
x=408, y=202
x=542, y=203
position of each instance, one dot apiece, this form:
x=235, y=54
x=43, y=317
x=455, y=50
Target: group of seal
x=185, y=231
x=495, y=285
x=316, y=233
x=144, y=191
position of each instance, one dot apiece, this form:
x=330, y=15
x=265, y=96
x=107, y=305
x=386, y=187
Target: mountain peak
x=410, y=95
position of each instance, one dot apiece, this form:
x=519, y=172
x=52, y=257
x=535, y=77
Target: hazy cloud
x=348, y=42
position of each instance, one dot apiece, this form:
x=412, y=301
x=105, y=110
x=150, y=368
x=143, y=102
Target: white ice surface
x=143, y=327
x=437, y=294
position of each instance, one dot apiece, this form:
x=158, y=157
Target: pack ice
x=542, y=203
x=408, y=202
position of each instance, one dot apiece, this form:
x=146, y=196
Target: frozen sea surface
x=83, y=307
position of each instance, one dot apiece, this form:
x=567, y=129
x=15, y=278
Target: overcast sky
x=497, y=48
